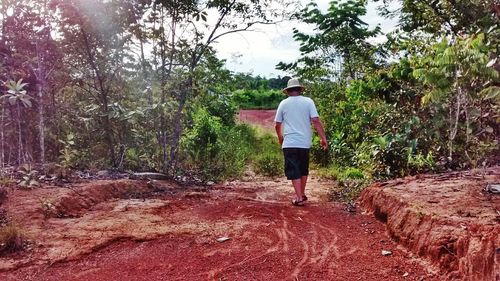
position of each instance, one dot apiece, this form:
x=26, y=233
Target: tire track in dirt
x=280, y=243
x=305, y=247
x=330, y=253
x=317, y=236
x=270, y=240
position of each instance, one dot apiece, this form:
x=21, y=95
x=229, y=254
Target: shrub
x=337, y=173
x=47, y=207
x=6, y=181
x=350, y=182
x=268, y=159
x=420, y=163
x=269, y=164
x=257, y=99
x=348, y=190
x=12, y=238
x=353, y=173
x=29, y=177
x=214, y=150
x=236, y=148
x=3, y=194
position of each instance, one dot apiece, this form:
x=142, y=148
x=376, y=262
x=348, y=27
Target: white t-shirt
x=295, y=112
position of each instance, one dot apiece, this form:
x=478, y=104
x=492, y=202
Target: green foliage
x=257, y=99
x=29, y=177
x=16, y=93
x=214, y=150
x=70, y=156
x=442, y=16
x=341, y=37
x=269, y=164
x=426, y=100
x=47, y=207
x=458, y=77
x=268, y=157
x=420, y=163
x=350, y=182
x=434, y=106
x=250, y=92
x=203, y=139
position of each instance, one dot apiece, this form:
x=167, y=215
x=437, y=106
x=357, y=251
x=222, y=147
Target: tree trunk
x=41, y=121
x=349, y=63
x=186, y=89
x=2, y=139
x=108, y=133
x=20, y=152
x=103, y=98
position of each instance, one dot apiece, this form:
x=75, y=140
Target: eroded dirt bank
x=132, y=230
x=448, y=219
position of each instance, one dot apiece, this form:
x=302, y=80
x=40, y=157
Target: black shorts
x=296, y=162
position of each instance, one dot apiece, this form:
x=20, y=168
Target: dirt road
x=261, y=118
x=171, y=234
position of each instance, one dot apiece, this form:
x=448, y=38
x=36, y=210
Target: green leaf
x=492, y=92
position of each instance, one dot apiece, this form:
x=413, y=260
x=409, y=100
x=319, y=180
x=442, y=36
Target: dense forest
x=137, y=85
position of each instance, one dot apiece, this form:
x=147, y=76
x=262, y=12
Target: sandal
x=296, y=202
x=304, y=198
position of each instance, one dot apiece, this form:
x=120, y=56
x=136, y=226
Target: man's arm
x=321, y=132
x=279, y=132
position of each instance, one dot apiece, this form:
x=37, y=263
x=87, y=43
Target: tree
x=444, y=16
x=457, y=75
x=340, y=45
x=16, y=96
x=96, y=39
x=182, y=37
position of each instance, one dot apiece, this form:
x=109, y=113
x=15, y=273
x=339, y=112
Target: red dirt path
x=262, y=118
x=170, y=234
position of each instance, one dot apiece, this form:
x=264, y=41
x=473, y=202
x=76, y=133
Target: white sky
x=258, y=52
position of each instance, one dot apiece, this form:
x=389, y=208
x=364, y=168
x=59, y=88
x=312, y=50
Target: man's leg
x=303, y=182
x=304, y=169
x=297, y=185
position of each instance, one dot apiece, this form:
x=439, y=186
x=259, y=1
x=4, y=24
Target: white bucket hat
x=293, y=83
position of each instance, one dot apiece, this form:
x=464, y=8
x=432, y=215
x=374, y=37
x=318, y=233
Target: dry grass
x=3, y=194
x=12, y=238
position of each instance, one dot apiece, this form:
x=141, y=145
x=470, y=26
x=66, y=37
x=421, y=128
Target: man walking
x=296, y=114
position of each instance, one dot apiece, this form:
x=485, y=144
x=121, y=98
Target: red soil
x=163, y=231
x=262, y=118
x=449, y=219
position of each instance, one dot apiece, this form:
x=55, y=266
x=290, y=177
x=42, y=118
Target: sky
x=259, y=51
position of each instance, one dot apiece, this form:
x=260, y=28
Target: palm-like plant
x=17, y=96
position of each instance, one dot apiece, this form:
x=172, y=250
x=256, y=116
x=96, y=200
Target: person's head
x=293, y=87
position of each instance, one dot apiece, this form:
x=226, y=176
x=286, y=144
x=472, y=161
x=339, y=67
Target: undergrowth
x=350, y=183
x=12, y=238
x=267, y=159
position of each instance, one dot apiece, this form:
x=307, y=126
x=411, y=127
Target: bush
x=348, y=190
x=269, y=164
x=3, y=194
x=237, y=146
x=268, y=158
x=350, y=182
x=257, y=99
x=353, y=173
x=215, y=151
x=12, y=239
